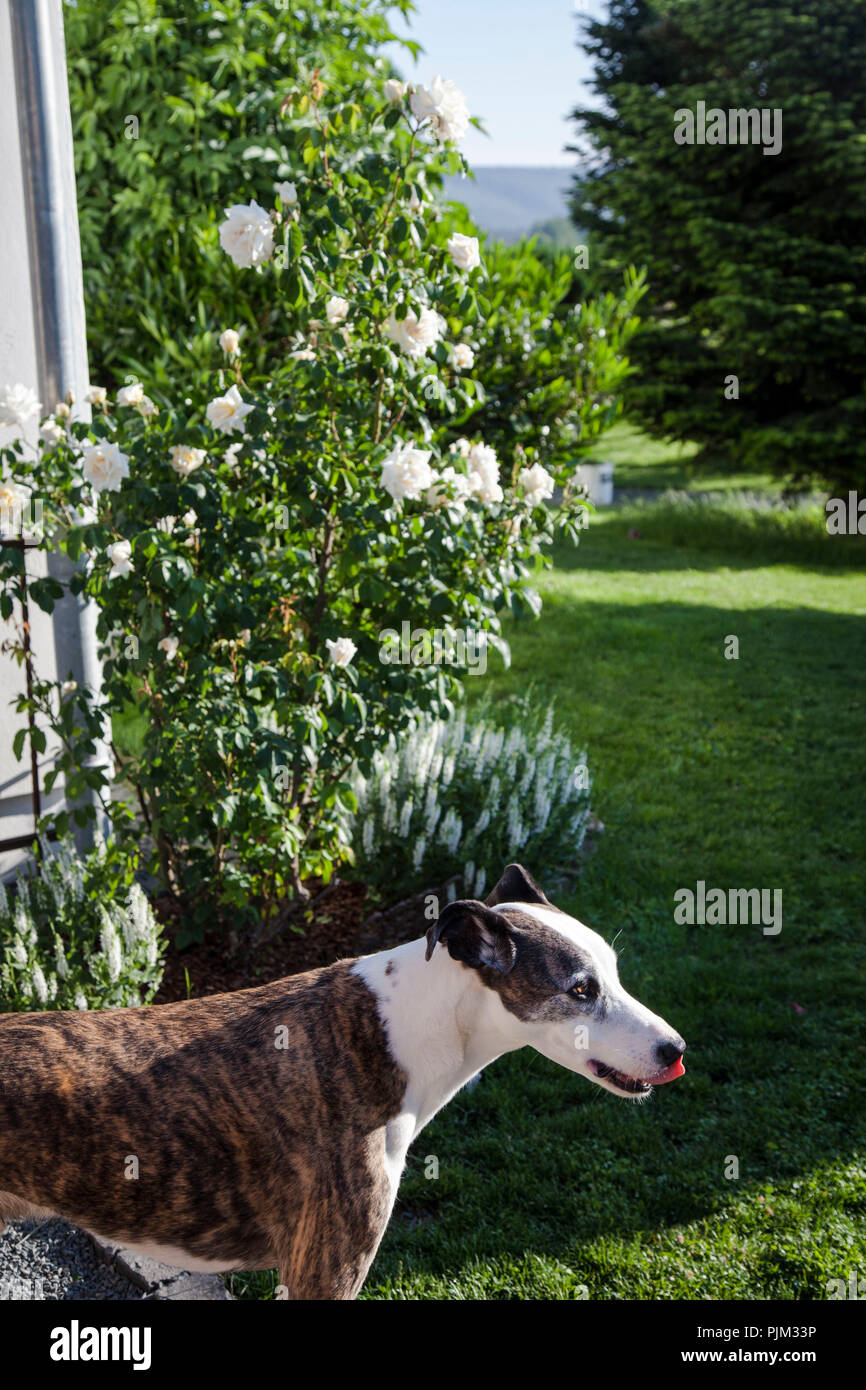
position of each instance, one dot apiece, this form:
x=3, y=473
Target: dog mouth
x=634, y=1085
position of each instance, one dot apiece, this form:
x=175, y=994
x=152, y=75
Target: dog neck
x=443, y=1025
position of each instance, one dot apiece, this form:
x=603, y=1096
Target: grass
x=642, y=462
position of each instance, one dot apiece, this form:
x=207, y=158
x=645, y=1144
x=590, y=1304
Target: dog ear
x=474, y=935
x=517, y=886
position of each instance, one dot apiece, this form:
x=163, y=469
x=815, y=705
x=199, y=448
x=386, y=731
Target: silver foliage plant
x=466, y=796
x=70, y=939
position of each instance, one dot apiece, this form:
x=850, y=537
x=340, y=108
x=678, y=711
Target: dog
x=270, y=1126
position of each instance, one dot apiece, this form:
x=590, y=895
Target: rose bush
x=248, y=542
x=176, y=115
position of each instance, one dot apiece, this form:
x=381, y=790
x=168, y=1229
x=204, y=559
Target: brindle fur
x=249, y=1153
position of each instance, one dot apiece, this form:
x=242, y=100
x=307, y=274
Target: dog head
x=558, y=982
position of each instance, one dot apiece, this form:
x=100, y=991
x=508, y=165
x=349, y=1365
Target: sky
x=518, y=64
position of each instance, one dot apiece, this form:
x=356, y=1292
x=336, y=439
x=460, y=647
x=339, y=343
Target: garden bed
x=211, y=967
x=343, y=924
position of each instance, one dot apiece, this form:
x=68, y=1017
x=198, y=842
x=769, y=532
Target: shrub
x=465, y=796
x=553, y=364
x=250, y=544
x=80, y=934
x=176, y=114
x=755, y=259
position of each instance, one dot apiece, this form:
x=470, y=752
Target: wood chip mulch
x=343, y=925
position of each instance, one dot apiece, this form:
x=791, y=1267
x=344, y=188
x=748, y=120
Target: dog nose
x=670, y=1052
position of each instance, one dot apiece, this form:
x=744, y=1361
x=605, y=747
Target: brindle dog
x=270, y=1126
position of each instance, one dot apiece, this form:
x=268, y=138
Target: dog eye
x=584, y=989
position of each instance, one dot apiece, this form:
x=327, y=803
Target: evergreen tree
x=756, y=261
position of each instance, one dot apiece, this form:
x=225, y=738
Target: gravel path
x=53, y=1260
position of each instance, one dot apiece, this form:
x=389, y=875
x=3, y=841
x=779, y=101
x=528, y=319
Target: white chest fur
x=443, y=1026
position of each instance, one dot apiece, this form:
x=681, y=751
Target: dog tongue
x=670, y=1073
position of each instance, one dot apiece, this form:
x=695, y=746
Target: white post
x=42, y=339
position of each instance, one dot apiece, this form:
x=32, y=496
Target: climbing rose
x=227, y=412
x=416, y=332
x=444, y=106
x=464, y=251
x=247, y=234
x=341, y=651
x=406, y=472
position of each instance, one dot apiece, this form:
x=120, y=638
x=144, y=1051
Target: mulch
x=343, y=925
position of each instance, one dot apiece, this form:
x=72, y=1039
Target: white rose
x=444, y=106
x=287, y=194
x=227, y=412
x=231, y=454
x=416, y=332
x=450, y=489
x=462, y=357
x=537, y=484
x=304, y=354
x=120, y=555
x=68, y=687
x=95, y=395
x=461, y=446
x=483, y=467
x=131, y=395
x=464, y=251
x=168, y=645
x=406, y=472
x=184, y=460
x=336, y=310
x=341, y=651
x=189, y=520
x=104, y=466
x=146, y=407
x=62, y=410
x=230, y=342
x=485, y=490
x=414, y=202
x=393, y=90
x=18, y=405
x=247, y=234
x=51, y=432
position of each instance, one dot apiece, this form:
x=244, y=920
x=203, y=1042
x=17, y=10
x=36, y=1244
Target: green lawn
x=644, y=462
x=742, y=773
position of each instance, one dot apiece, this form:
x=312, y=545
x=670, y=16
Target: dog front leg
x=329, y=1252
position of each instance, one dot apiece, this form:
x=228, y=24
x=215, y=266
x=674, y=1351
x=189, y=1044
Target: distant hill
x=509, y=202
